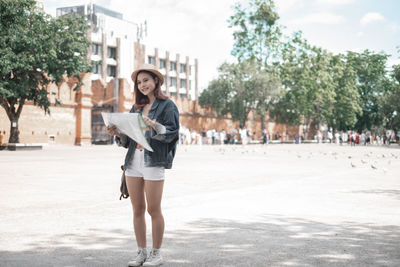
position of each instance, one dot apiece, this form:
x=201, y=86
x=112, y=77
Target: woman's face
x=146, y=83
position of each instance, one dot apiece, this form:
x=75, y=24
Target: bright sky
x=199, y=29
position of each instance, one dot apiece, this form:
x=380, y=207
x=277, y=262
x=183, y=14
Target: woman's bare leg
x=154, y=190
x=136, y=194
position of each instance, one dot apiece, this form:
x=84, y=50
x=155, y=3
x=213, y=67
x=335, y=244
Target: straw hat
x=149, y=68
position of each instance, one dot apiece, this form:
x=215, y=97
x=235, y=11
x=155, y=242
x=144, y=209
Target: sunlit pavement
x=275, y=205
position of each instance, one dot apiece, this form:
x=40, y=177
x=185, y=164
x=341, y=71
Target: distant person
x=216, y=139
x=213, y=133
x=350, y=138
x=319, y=137
x=344, y=137
x=243, y=136
x=182, y=136
x=144, y=170
x=188, y=137
x=353, y=139
x=209, y=137
x=193, y=136
x=362, y=139
x=330, y=136
x=357, y=138
x=204, y=136
x=222, y=137
x=337, y=138
x=264, y=136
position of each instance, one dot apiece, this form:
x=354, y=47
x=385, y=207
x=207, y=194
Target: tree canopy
x=355, y=90
x=256, y=32
x=239, y=89
x=35, y=50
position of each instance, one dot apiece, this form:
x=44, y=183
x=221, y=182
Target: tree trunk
x=13, y=115
x=262, y=117
x=308, y=125
x=242, y=123
x=14, y=133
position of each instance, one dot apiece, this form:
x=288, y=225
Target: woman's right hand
x=112, y=130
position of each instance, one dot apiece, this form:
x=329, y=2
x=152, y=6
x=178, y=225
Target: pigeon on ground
x=363, y=161
x=373, y=166
x=352, y=165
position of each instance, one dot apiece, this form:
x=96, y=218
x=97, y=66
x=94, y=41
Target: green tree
x=390, y=101
x=256, y=32
x=309, y=91
x=239, y=89
x=370, y=69
x=257, y=41
x=35, y=50
x=346, y=104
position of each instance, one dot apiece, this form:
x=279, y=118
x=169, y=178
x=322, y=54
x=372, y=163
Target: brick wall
x=37, y=127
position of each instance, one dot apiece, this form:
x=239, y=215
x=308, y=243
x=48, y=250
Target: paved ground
x=277, y=205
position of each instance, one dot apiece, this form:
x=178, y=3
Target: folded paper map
x=130, y=124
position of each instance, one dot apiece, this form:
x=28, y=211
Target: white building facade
x=113, y=53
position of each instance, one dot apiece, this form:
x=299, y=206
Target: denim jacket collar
x=153, y=108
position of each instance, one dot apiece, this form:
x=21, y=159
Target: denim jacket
x=163, y=140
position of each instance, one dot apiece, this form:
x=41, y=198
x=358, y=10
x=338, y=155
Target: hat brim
x=156, y=72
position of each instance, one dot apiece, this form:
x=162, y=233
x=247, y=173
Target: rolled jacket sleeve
x=167, y=129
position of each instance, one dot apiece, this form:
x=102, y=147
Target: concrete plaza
x=275, y=205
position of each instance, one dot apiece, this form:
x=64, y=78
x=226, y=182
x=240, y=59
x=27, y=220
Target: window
x=172, y=66
x=172, y=94
x=172, y=81
x=151, y=60
x=162, y=64
x=183, y=68
x=183, y=83
x=111, y=70
x=96, y=68
x=112, y=52
x=96, y=49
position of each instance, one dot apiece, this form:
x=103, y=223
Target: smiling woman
x=144, y=169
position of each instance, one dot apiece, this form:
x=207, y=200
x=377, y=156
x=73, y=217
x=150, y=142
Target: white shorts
x=137, y=168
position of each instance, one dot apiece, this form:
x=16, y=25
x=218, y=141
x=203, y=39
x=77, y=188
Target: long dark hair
x=140, y=99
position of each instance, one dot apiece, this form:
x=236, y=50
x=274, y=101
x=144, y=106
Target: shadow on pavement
x=272, y=241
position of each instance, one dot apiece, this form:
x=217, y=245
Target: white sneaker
x=139, y=259
x=154, y=259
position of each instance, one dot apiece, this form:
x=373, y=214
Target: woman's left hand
x=151, y=123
